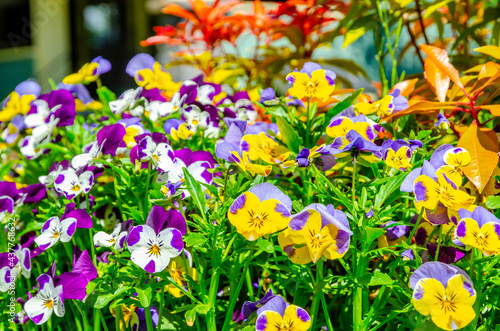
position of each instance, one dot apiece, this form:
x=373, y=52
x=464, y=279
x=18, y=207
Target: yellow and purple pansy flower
x=150, y=74
x=278, y=315
x=89, y=72
x=19, y=101
x=155, y=243
x=341, y=125
x=262, y=146
x=444, y=292
x=315, y=232
x=479, y=229
x=397, y=154
x=262, y=210
x=311, y=82
x=358, y=149
x=179, y=268
x=393, y=102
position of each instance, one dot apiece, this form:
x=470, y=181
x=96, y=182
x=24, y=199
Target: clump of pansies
x=194, y=199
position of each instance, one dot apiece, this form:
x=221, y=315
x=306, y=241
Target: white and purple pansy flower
x=54, y=230
x=15, y=126
x=115, y=239
x=54, y=172
x=48, y=300
x=277, y=314
x=155, y=148
x=30, y=145
x=14, y=264
x=126, y=101
x=196, y=117
x=58, y=104
x=197, y=164
x=73, y=183
x=153, y=244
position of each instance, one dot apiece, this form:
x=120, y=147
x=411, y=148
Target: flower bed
x=193, y=206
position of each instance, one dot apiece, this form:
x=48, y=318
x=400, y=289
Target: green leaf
x=103, y=300
x=123, y=174
x=105, y=95
x=339, y=107
x=289, y=135
x=195, y=239
x=198, y=310
x=265, y=245
x=197, y=194
x=144, y=296
x=493, y=202
x=370, y=234
x=376, y=279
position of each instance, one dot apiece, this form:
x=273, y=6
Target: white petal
x=35, y=307
x=80, y=161
x=102, y=239
x=146, y=148
x=86, y=181
x=67, y=229
x=141, y=236
x=5, y=277
x=164, y=153
x=66, y=181
x=165, y=238
x=120, y=241
x=47, y=240
x=58, y=296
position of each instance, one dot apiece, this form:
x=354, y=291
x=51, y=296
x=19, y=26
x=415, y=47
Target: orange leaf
x=437, y=79
x=482, y=145
x=490, y=50
x=440, y=57
x=423, y=107
x=176, y=10
x=406, y=87
x=494, y=109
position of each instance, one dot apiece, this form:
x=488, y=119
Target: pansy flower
x=149, y=74
x=444, y=292
x=442, y=122
x=455, y=159
x=155, y=148
x=179, y=268
x=72, y=183
x=277, y=314
x=268, y=97
x=13, y=266
x=264, y=147
x=19, y=101
x=134, y=318
x=393, y=102
x=58, y=104
x=240, y=106
x=197, y=165
x=54, y=230
x=397, y=153
x=316, y=231
x=320, y=156
x=116, y=238
x=264, y=209
x=127, y=100
x=48, y=300
x=479, y=229
x=89, y=72
x=155, y=243
x=83, y=100
x=429, y=192
x=358, y=148
x=245, y=164
x=340, y=125
x=177, y=129
x=311, y=82
x=15, y=126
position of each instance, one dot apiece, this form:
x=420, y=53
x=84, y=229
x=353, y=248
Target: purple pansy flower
x=442, y=122
x=73, y=183
x=15, y=126
x=117, y=238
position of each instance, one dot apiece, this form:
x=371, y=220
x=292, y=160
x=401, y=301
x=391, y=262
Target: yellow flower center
x=155, y=156
x=256, y=220
x=195, y=122
x=56, y=235
x=76, y=188
x=49, y=304
x=154, y=250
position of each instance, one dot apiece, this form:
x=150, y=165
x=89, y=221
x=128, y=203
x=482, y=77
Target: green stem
x=212, y=296
x=118, y=199
x=234, y=297
x=146, y=194
x=248, y=278
x=317, y=296
x=118, y=316
x=308, y=123
x=103, y=321
x=149, y=319
x=162, y=297
x=86, y=325
x=97, y=322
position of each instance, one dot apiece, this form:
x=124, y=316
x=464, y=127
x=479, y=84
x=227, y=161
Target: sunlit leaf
x=437, y=79
x=493, y=51
x=482, y=145
x=405, y=87
x=440, y=57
